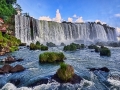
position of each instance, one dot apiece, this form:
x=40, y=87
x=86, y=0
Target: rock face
x=9, y=69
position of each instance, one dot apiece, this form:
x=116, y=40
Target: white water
x=31, y=30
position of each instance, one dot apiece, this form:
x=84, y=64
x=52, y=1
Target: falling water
x=31, y=30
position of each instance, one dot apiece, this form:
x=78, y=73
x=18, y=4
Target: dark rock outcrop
x=17, y=68
x=9, y=69
x=105, y=69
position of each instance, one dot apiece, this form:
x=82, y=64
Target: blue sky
x=88, y=10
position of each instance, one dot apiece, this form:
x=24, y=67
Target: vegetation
x=50, y=44
x=38, y=46
x=104, y=51
x=73, y=47
x=65, y=72
x=49, y=57
x=97, y=49
x=92, y=46
x=7, y=11
x=9, y=42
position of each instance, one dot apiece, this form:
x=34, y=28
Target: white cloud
x=46, y=18
x=117, y=15
x=70, y=19
x=75, y=16
x=100, y=21
x=56, y=19
x=79, y=20
x=58, y=16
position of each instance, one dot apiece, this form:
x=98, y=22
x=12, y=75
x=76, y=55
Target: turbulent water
x=81, y=60
x=31, y=30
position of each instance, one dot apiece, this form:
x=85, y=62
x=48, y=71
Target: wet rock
x=75, y=79
x=20, y=59
x=105, y=69
x=6, y=68
x=39, y=82
x=10, y=59
x=18, y=68
x=2, y=53
x=1, y=71
x=16, y=82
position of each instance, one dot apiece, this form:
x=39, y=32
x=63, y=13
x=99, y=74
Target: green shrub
x=105, y=52
x=43, y=48
x=65, y=72
x=50, y=57
x=72, y=47
x=32, y=46
x=38, y=43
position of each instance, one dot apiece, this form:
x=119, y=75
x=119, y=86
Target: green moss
x=43, y=48
x=50, y=57
x=37, y=43
x=9, y=41
x=105, y=52
x=65, y=72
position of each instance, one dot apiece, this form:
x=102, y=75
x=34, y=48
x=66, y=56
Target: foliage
x=65, y=72
x=105, y=52
x=97, y=49
x=50, y=57
x=43, y=48
x=73, y=47
x=38, y=46
x=37, y=43
x=50, y=44
x=9, y=41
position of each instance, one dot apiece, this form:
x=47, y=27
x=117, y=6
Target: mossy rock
x=70, y=47
x=91, y=46
x=22, y=44
x=97, y=49
x=38, y=43
x=105, y=52
x=49, y=57
x=44, y=48
x=65, y=72
x=32, y=46
x=50, y=44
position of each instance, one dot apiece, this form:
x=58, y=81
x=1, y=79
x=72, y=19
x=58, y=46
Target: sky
x=105, y=11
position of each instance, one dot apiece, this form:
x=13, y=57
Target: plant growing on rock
x=104, y=51
x=65, y=72
x=49, y=57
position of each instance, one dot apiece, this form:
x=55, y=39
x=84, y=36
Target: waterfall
x=28, y=30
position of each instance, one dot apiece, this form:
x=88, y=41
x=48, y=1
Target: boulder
x=65, y=72
x=2, y=53
x=1, y=71
x=10, y=59
x=17, y=68
x=6, y=68
x=105, y=69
